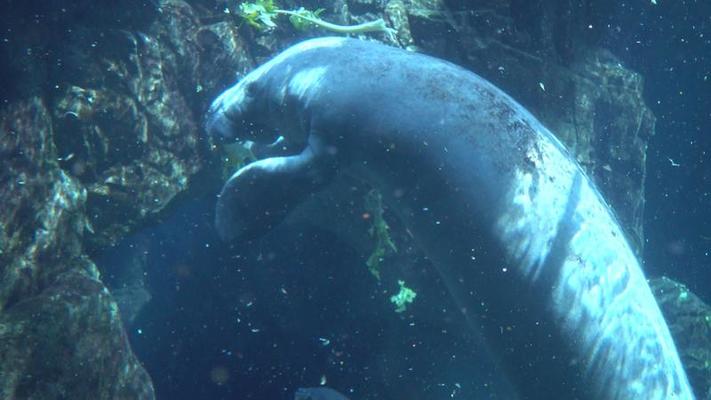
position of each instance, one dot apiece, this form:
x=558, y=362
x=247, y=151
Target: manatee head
x=260, y=102
x=239, y=113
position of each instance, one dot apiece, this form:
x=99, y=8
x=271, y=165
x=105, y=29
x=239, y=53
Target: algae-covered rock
x=41, y=219
x=100, y=132
x=128, y=114
x=397, y=14
x=68, y=342
x=689, y=320
x=60, y=333
x=124, y=270
x=129, y=130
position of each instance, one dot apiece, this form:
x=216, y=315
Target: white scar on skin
x=237, y=94
x=306, y=82
x=599, y=281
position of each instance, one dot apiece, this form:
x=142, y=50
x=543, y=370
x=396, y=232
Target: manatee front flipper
x=260, y=195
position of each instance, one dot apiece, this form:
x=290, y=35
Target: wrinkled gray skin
x=319, y=393
x=528, y=249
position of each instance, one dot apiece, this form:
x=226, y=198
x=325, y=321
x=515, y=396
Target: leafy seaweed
x=259, y=14
x=235, y=156
x=380, y=231
x=302, y=16
x=404, y=297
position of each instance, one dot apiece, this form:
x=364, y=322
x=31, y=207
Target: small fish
x=318, y=393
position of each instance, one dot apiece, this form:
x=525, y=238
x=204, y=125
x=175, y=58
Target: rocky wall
x=60, y=332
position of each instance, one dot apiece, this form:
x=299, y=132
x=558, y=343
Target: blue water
x=294, y=309
x=670, y=45
x=299, y=308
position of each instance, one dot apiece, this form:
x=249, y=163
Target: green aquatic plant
x=404, y=297
x=261, y=14
x=235, y=156
x=380, y=231
x=301, y=18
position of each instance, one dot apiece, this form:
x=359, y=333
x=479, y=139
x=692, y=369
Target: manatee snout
x=218, y=124
x=231, y=118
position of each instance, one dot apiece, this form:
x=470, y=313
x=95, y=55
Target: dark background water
x=293, y=309
x=670, y=45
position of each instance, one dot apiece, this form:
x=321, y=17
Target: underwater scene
x=355, y=199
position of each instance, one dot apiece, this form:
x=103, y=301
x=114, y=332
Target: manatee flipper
x=260, y=195
x=280, y=147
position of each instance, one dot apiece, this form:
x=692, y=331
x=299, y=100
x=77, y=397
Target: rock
x=609, y=127
x=397, y=14
x=41, y=218
x=124, y=270
x=130, y=300
x=68, y=342
x=689, y=320
x=60, y=332
x=223, y=58
x=34, y=56
x=129, y=127
x=94, y=144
